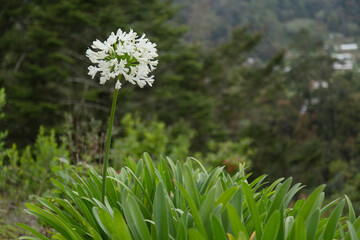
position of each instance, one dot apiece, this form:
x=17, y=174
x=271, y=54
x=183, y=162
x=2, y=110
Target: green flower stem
x=108, y=143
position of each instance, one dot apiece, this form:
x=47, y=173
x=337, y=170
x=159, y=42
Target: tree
x=43, y=46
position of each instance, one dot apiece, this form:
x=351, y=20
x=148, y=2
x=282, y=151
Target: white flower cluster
x=123, y=54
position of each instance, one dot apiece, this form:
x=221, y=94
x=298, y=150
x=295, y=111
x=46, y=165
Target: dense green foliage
x=186, y=201
x=44, y=68
x=27, y=172
x=303, y=127
x=152, y=136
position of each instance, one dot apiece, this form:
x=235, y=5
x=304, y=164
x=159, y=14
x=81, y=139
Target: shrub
x=85, y=138
x=174, y=141
x=150, y=136
x=230, y=153
x=29, y=171
x=186, y=201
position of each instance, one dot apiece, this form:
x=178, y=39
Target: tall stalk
x=108, y=143
x=122, y=53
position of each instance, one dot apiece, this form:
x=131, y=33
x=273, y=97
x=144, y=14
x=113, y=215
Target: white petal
x=99, y=45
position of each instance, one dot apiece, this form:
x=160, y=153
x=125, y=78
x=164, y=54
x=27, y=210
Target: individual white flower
x=123, y=54
x=111, y=40
x=99, y=45
x=92, y=71
x=118, y=84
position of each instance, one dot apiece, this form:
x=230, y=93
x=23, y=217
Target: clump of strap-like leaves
x=186, y=201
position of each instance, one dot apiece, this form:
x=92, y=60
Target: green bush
x=230, y=154
x=28, y=171
x=186, y=201
x=85, y=138
x=151, y=136
x=174, y=141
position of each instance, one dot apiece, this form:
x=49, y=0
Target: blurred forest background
x=273, y=83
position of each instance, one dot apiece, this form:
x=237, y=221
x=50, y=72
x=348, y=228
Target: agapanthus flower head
x=123, y=54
